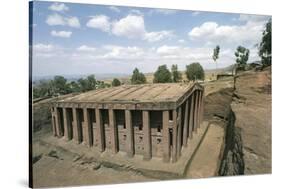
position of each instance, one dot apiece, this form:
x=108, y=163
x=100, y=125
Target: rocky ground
x=239, y=137
x=252, y=108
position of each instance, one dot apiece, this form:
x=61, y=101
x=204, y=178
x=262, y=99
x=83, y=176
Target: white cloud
x=63, y=34
x=136, y=12
x=181, y=40
x=168, y=50
x=99, y=22
x=43, y=47
x=133, y=26
x=60, y=7
x=158, y=36
x=73, y=22
x=164, y=11
x=253, y=18
x=249, y=33
x=56, y=19
x=195, y=13
x=120, y=52
x=85, y=48
x=115, y=9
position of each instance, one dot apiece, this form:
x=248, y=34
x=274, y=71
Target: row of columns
x=193, y=116
x=87, y=136
x=181, y=132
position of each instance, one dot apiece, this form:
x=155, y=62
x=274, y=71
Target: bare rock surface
x=252, y=107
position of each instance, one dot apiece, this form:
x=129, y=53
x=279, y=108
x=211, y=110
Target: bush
x=162, y=75
x=194, y=71
x=138, y=77
x=115, y=82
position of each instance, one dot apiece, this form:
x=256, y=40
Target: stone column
x=202, y=106
x=179, y=135
x=100, y=130
x=58, y=123
x=53, y=122
x=196, y=111
x=76, y=129
x=191, y=117
x=130, y=133
x=87, y=129
x=166, y=137
x=199, y=109
x=185, y=127
x=114, y=132
x=175, y=133
x=67, y=129
x=146, y=135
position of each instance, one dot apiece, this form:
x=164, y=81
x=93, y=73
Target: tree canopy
x=265, y=45
x=162, y=75
x=195, y=71
x=176, y=75
x=242, y=56
x=59, y=85
x=138, y=77
x=115, y=82
x=216, y=53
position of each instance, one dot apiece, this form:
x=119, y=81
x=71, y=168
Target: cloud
x=63, y=34
x=158, y=36
x=56, y=19
x=85, y=48
x=136, y=12
x=99, y=22
x=131, y=26
x=181, y=40
x=168, y=50
x=195, y=13
x=123, y=59
x=164, y=11
x=59, y=7
x=253, y=18
x=120, y=52
x=246, y=34
x=43, y=47
x=73, y=22
x=115, y=9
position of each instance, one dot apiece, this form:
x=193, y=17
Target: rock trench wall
x=232, y=162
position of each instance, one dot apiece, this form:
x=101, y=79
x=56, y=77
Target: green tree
x=194, y=71
x=176, y=75
x=162, y=75
x=242, y=56
x=138, y=77
x=59, y=84
x=102, y=84
x=115, y=82
x=91, y=82
x=83, y=84
x=74, y=87
x=216, y=55
x=265, y=45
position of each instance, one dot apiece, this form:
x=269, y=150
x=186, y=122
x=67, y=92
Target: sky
x=80, y=39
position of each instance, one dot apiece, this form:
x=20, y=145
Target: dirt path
x=58, y=167
x=206, y=160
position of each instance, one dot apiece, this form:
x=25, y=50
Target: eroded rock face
x=252, y=109
x=232, y=161
x=248, y=140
